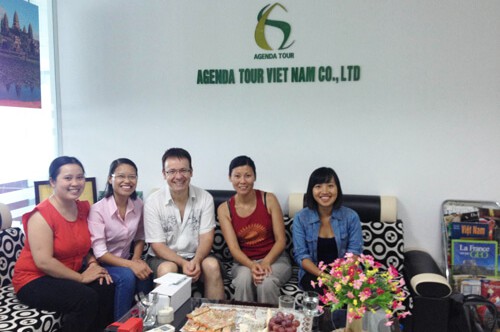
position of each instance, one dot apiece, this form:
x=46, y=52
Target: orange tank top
x=255, y=232
x=70, y=246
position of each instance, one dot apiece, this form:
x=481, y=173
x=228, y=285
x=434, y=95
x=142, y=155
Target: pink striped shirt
x=109, y=232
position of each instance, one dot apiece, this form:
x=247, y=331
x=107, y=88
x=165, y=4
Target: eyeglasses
x=182, y=171
x=122, y=177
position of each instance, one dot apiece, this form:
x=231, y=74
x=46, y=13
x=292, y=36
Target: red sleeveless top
x=255, y=232
x=71, y=242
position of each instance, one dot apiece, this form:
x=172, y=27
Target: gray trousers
x=266, y=292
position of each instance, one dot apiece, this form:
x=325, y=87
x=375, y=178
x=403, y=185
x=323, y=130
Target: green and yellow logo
x=263, y=21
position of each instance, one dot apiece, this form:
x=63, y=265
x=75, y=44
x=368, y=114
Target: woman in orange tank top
x=252, y=225
x=56, y=270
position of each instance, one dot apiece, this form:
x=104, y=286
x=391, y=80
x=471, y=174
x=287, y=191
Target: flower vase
x=356, y=325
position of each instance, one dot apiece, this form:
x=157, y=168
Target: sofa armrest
x=429, y=302
x=424, y=276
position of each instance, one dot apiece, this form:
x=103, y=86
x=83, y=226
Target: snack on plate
x=197, y=312
x=252, y=324
x=192, y=326
x=210, y=320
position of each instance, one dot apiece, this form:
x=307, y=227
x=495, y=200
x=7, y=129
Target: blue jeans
x=126, y=286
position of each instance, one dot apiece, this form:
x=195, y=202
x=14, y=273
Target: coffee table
x=321, y=323
x=180, y=315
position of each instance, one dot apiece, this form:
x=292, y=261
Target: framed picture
x=43, y=190
x=20, y=82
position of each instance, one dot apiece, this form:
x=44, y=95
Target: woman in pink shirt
x=115, y=223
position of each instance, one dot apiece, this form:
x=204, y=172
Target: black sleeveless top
x=327, y=250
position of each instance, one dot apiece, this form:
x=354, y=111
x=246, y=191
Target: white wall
x=421, y=124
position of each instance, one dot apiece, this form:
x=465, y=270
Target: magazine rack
x=457, y=213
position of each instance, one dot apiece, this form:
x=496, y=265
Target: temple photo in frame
x=19, y=54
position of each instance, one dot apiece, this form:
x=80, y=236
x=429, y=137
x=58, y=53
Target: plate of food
x=212, y=317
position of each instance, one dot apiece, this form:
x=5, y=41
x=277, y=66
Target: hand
x=192, y=269
x=266, y=267
x=140, y=269
x=94, y=272
x=258, y=273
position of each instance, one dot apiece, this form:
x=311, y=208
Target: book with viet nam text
x=470, y=230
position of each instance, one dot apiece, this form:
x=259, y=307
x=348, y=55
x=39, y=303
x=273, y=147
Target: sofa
x=428, y=290
x=382, y=234
x=15, y=316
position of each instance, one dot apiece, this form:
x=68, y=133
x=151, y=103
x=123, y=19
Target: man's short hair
x=176, y=153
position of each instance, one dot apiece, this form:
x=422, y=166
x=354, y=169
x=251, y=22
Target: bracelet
x=88, y=264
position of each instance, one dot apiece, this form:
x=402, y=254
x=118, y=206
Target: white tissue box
x=173, y=291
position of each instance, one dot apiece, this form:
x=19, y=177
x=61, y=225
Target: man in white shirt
x=179, y=223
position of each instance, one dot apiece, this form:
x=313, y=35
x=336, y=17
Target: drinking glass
x=286, y=303
x=309, y=302
x=149, y=302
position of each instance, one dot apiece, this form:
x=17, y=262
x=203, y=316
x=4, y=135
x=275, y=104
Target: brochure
x=474, y=257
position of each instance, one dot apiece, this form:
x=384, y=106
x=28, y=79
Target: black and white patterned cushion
x=384, y=241
x=291, y=287
x=15, y=316
x=11, y=243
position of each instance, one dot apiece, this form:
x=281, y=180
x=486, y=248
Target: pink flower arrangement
x=358, y=282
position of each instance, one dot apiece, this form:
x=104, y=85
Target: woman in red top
x=252, y=225
x=55, y=270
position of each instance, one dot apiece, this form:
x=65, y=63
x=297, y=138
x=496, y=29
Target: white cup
x=165, y=315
